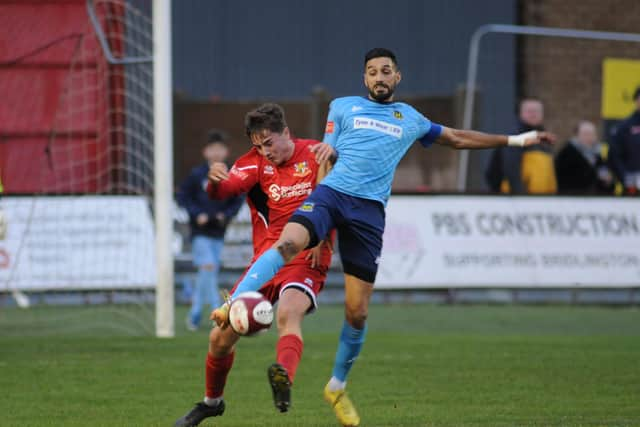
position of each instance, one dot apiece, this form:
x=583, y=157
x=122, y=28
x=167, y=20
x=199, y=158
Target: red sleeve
x=242, y=177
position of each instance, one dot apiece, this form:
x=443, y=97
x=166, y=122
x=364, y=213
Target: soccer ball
x=250, y=313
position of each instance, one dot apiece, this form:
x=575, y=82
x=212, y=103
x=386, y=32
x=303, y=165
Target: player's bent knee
x=289, y=248
x=294, y=304
x=356, y=317
x=287, y=315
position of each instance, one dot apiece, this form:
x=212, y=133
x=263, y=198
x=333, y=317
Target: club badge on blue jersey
x=306, y=207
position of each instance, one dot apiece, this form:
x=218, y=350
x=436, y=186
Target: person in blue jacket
x=208, y=219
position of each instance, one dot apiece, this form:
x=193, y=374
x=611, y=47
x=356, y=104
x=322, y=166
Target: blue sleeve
x=332, y=129
x=430, y=132
x=188, y=197
x=233, y=206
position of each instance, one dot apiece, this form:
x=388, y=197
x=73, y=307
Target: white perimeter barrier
x=475, y=241
x=106, y=242
x=77, y=242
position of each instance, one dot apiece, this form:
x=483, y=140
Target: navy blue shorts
x=360, y=225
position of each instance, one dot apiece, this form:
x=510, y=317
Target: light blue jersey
x=370, y=139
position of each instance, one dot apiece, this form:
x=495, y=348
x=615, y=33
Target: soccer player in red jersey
x=278, y=173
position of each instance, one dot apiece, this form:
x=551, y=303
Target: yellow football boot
x=342, y=406
x=220, y=315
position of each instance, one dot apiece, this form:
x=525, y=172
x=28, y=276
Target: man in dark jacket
x=523, y=170
x=208, y=219
x=625, y=150
x=580, y=167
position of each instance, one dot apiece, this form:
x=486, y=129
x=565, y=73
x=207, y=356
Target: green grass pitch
x=422, y=365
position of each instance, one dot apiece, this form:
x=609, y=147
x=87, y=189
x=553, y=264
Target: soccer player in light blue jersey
x=365, y=137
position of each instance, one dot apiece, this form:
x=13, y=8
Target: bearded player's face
x=381, y=77
x=273, y=146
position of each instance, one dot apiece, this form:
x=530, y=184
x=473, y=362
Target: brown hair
x=267, y=116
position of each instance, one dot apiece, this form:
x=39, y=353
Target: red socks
x=288, y=353
x=217, y=369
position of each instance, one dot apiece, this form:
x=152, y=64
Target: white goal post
x=162, y=154
x=163, y=166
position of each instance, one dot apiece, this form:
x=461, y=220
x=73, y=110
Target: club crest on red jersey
x=301, y=169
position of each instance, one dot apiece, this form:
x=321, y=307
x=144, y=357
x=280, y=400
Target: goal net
x=76, y=164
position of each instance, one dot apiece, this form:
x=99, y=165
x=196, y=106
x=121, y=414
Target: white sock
x=335, y=384
x=209, y=401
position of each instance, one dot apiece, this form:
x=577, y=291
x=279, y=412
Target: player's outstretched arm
x=471, y=139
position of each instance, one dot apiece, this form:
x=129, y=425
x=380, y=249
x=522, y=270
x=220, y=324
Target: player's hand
x=532, y=137
x=324, y=152
x=218, y=171
x=202, y=219
x=541, y=137
x=315, y=253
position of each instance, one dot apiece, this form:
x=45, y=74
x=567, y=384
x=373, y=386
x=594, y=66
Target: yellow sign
x=620, y=78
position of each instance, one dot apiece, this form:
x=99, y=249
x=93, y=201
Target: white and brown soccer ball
x=250, y=313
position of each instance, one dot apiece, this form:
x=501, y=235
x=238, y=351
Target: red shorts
x=303, y=277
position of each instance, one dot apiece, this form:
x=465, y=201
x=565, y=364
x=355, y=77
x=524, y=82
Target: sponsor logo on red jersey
x=277, y=192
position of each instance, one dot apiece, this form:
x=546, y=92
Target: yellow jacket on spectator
x=537, y=173
x=517, y=170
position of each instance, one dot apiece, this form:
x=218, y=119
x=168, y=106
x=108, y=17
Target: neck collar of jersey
x=379, y=102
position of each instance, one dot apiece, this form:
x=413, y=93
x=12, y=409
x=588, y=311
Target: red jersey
x=273, y=193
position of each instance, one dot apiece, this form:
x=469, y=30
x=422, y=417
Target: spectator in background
x=624, y=156
x=524, y=170
x=208, y=219
x=580, y=166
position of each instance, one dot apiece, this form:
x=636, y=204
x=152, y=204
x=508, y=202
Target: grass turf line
x=422, y=365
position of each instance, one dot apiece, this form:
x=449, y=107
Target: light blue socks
x=263, y=270
x=349, y=347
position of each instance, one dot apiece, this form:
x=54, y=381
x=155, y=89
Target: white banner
x=470, y=241
x=77, y=242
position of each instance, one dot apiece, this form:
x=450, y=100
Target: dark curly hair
x=380, y=52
